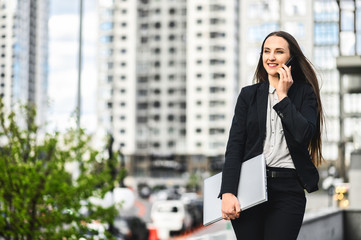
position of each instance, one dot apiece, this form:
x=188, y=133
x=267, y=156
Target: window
x=143, y=39
x=171, y=37
x=172, y=50
x=218, y=48
x=142, y=119
x=156, y=104
x=156, y=50
x=142, y=92
x=217, y=7
x=216, y=89
x=142, y=105
x=257, y=33
x=106, y=26
x=214, y=131
x=217, y=21
x=172, y=11
x=107, y=39
x=326, y=33
x=183, y=119
x=218, y=75
x=172, y=24
x=295, y=7
x=216, y=117
x=297, y=29
x=142, y=79
x=217, y=35
x=157, y=25
x=217, y=61
x=171, y=77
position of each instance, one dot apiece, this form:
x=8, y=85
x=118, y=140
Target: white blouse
x=275, y=148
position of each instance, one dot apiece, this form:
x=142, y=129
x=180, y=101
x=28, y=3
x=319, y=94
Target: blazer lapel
x=262, y=100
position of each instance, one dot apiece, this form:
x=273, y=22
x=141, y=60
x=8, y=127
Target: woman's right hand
x=230, y=206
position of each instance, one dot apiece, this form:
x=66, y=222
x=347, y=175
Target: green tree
x=39, y=197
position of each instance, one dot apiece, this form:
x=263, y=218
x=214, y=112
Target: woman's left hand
x=285, y=81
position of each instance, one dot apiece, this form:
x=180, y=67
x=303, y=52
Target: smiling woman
x=285, y=104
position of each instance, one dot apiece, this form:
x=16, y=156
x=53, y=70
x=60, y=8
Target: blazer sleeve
x=300, y=123
x=235, y=147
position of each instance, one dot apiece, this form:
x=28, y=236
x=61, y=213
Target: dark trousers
x=280, y=218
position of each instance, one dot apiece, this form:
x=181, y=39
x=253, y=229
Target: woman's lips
x=272, y=65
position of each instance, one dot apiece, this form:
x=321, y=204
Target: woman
x=280, y=116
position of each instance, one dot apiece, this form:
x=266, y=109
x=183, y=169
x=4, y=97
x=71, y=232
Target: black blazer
x=298, y=113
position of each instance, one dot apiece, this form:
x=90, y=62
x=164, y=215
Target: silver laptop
x=252, y=189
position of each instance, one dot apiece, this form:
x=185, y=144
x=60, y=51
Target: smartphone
x=288, y=63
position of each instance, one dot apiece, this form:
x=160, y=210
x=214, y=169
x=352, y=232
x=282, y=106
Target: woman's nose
x=271, y=56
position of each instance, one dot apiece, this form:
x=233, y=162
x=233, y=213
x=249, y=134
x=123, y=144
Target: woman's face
x=275, y=53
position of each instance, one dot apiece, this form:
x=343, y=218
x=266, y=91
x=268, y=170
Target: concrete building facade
x=168, y=79
x=24, y=54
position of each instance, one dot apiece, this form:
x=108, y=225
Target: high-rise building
x=168, y=78
x=24, y=54
x=326, y=49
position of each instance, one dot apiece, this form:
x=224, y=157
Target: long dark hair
x=302, y=70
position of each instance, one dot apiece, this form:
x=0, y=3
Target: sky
x=63, y=64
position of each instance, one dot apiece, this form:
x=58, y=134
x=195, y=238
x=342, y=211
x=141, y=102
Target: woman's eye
x=266, y=51
x=279, y=51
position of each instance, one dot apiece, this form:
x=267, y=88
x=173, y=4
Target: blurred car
x=171, y=215
x=195, y=209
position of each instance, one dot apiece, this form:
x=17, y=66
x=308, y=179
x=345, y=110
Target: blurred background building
x=24, y=54
x=168, y=80
x=170, y=72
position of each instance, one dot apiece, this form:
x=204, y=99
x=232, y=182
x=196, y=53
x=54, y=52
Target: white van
x=170, y=215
